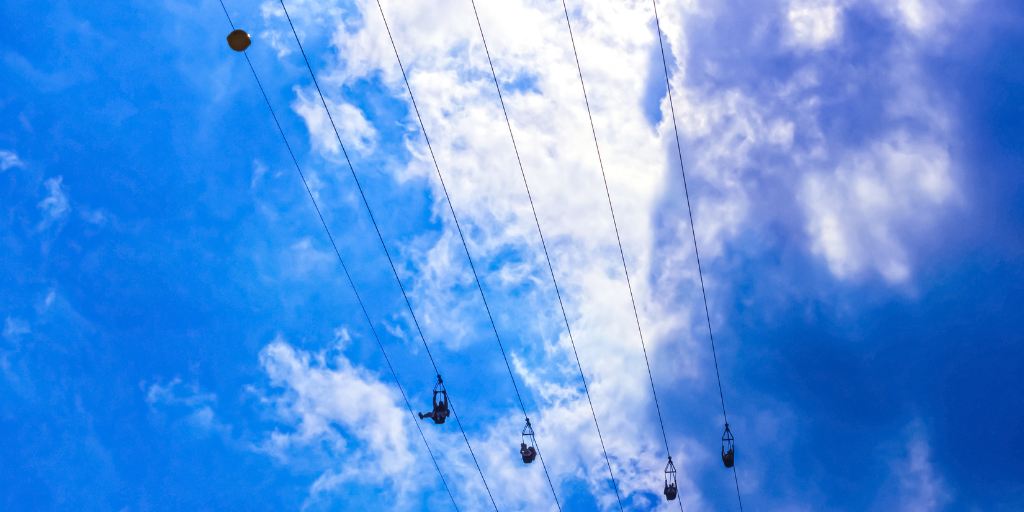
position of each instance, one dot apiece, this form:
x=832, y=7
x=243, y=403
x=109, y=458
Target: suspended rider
x=529, y=453
x=440, y=412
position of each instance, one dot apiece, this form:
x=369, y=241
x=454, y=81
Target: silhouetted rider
x=528, y=453
x=440, y=412
x=670, y=491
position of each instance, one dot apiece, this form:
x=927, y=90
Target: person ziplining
x=728, y=455
x=440, y=412
x=671, y=489
x=527, y=451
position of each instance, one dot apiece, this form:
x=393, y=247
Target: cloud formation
x=55, y=206
x=356, y=132
x=759, y=151
x=197, y=405
x=340, y=407
x=14, y=328
x=9, y=160
x=922, y=488
x=853, y=214
x=814, y=23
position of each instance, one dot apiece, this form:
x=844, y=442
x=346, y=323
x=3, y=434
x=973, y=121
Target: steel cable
x=622, y=254
x=693, y=232
x=347, y=274
x=547, y=257
x=394, y=270
x=465, y=245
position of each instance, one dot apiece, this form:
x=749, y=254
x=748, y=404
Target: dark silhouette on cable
x=728, y=456
x=239, y=40
x=670, y=481
x=528, y=451
x=440, y=412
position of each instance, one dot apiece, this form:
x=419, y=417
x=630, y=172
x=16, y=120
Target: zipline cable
x=544, y=244
x=348, y=276
x=622, y=254
x=693, y=232
x=388, y=254
x=465, y=246
x=593, y=130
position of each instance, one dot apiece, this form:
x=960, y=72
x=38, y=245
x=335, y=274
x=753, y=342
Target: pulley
x=238, y=40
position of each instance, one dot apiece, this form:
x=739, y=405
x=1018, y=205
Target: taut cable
x=345, y=268
x=408, y=304
x=693, y=232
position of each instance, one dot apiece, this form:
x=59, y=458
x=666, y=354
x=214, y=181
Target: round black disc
x=239, y=40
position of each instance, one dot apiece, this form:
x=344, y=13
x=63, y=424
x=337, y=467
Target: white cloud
x=857, y=213
x=14, y=328
x=922, y=488
x=919, y=15
x=9, y=160
x=15, y=370
x=356, y=132
x=259, y=169
x=280, y=41
x=925, y=18
x=342, y=338
x=97, y=217
x=305, y=258
x=814, y=23
x=339, y=406
x=198, y=406
x=55, y=206
x=167, y=394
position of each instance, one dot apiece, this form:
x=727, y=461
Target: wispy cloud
x=356, y=132
x=55, y=206
x=922, y=488
x=169, y=394
x=814, y=23
x=9, y=160
x=96, y=217
x=853, y=214
x=924, y=18
x=197, y=405
x=338, y=406
x=14, y=328
x=308, y=259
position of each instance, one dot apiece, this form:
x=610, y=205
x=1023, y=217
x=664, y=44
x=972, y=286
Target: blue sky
x=178, y=334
